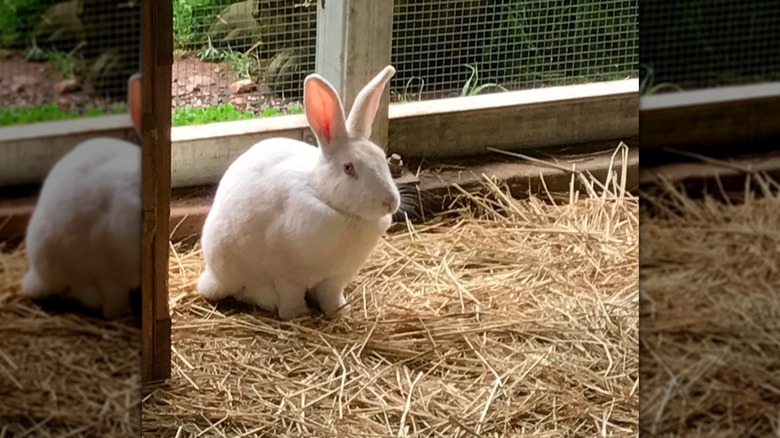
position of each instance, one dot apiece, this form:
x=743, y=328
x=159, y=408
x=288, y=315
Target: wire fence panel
x=239, y=60
x=66, y=59
x=698, y=44
x=454, y=48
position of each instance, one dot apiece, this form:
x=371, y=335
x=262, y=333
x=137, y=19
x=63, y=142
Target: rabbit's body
x=83, y=239
x=283, y=239
x=289, y=217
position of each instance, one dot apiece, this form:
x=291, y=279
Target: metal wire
x=454, y=48
x=254, y=54
x=699, y=44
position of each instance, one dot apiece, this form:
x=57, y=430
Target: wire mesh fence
x=66, y=59
x=242, y=59
x=699, y=44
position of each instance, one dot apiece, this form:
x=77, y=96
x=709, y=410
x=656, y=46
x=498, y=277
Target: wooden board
x=705, y=119
x=718, y=178
x=354, y=42
x=518, y=120
x=157, y=60
x=30, y=151
x=190, y=206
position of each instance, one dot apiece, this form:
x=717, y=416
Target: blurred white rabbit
x=289, y=217
x=83, y=240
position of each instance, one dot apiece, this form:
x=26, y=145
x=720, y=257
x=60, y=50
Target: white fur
x=287, y=218
x=83, y=240
x=84, y=237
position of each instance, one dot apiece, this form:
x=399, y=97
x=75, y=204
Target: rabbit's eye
x=349, y=169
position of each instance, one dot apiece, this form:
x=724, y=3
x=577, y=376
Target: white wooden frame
x=439, y=128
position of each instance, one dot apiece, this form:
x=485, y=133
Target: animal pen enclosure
x=462, y=319
x=549, y=80
x=709, y=217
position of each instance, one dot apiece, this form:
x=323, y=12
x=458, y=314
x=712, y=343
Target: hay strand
x=710, y=310
x=64, y=373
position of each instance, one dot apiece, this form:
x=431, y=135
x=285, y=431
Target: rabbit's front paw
x=288, y=313
x=35, y=288
x=330, y=297
x=292, y=301
x=210, y=288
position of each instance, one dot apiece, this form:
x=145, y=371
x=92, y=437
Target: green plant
x=119, y=108
x=406, y=95
x=240, y=63
x=35, y=53
x=210, y=54
x=17, y=19
x=41, y=113
x=295, y=108
x=65, y=63
x=471, y=88
x=191, y=19
x=647, y=85
x=197, y=116
x=224, y=113
x=183, y=22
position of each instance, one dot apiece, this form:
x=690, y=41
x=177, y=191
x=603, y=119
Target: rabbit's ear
x=361, y=117
x=134, y=101
x=324, y=112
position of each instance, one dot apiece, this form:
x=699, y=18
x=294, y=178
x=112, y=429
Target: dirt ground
x=26, y=84
x=194, y=84
x=199, y=84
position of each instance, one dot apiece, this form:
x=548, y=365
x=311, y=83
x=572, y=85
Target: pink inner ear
x=326, y=130
x=135, y=102
x=321, y=112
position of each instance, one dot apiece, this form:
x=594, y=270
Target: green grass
x=192, y=18
x=224, y=113
x=46, y=113
x=472, y=87
x=181, y=116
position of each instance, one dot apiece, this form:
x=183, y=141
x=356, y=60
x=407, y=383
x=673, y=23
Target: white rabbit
x=83, y=240
x=288, y=217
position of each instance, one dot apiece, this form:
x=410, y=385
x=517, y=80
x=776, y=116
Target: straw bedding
x=710, y=314
x=501, y=319
x=64, y=372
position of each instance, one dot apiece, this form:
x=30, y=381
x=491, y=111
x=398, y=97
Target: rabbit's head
x=352, y=175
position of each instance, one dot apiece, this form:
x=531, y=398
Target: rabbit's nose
x=391, y=203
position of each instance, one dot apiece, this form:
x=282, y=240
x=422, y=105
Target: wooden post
x=354, y=39
x=156, y=60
